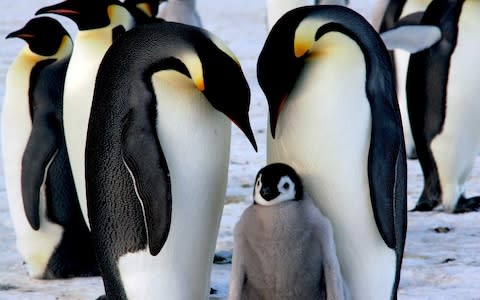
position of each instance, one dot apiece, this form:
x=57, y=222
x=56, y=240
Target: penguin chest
x=462, y=106
x=77, y=102
x=16, y=128
x=195, y=139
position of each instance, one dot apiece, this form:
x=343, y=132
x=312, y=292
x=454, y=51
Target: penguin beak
x=67, y=8
x=20, y=34
x=244, y=126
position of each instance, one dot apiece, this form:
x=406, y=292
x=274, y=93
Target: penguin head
x=300, y=36
x=219, y=77
x=44, y=36
x=87, y=14
x=277, y=183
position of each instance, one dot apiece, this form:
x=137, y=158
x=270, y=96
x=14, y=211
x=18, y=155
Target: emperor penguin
x=99, y=23
x=51, y=235
x=334, y=118
x=181, y=11
x=442, y=89
x=157, y=158
x=283, y=245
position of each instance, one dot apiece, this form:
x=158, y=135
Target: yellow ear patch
x=146, y=8
x=305, y=34
x=194, y=67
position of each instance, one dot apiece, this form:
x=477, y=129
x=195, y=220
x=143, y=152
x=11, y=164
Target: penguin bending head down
x=52, y=236
x=334, y=118
x=283, y=245
x=157, y=158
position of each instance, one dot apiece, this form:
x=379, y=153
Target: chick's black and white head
x=277, y=183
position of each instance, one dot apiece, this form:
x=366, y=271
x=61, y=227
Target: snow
x=442, y=259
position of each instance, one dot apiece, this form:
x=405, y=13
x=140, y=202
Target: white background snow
x=436, y=265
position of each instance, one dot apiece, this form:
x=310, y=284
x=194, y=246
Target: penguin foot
x=425, y=205
x=465, y=205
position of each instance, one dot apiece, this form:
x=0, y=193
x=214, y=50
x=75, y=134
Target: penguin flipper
x=147, y=165
x=388, y=192
x=42, y=147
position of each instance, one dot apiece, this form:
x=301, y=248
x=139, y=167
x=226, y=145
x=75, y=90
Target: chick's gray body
x=285, y=251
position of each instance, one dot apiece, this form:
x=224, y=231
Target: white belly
x=35, y=247
x=324, y=133
x=456, y=147
x=196, y=141
x=78, y=95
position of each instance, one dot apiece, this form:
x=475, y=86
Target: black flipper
x=39, y=153
x=146, y=162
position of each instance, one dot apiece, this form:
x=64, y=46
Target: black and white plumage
x=334, y=118
x=283, y=245
x=157, y=158
x=52, y=236
x=442, y=91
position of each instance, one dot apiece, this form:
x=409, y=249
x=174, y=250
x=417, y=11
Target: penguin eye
x=286, y=185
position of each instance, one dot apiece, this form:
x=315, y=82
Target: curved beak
x=66, y=8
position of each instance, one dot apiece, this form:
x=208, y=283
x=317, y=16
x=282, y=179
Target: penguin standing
x=52, y=236
x=157, y=158
x=283, y=246
x=442, y=89
x=99, y=23
x=334, y=118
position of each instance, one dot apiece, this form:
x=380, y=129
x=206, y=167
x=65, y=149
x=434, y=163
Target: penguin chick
x=283, y=245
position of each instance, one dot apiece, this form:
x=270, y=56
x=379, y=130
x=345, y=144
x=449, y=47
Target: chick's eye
x=286, y=185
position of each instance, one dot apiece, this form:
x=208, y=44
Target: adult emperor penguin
x=157, y=157
x=181, y=11
x=52, y=237
x=99, y=23
x=442, y=91
x=334, y=118
x=276, y=8
x=283, y=246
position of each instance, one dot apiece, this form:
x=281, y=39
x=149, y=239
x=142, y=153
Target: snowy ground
x=442, y=257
